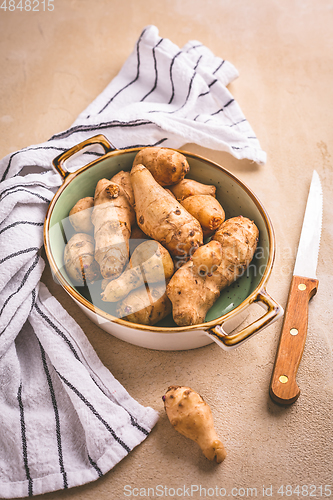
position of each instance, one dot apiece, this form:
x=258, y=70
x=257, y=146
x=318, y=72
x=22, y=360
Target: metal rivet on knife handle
x=293, y=331
x=283, y=379
x=302, y=287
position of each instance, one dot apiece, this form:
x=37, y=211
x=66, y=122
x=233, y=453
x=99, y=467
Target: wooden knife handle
x=283, y=387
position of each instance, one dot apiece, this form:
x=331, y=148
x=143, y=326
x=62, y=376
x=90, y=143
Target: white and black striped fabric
x=64, y=419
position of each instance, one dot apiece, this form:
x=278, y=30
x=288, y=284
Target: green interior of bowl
x=230, y=193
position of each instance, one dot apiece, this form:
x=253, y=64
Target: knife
x=283, y=387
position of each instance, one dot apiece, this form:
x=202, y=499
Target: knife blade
x=283, y=386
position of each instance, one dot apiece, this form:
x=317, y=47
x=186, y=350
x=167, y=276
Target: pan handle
x=59, y=161
x=273, y=312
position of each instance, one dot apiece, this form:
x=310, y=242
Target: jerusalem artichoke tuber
x=146, y=305
x=79, y=259
x=195, y=286
x=190, y=187
x=207, y=210
x=166, y=165
x=112, y=222
x=162, y=217
x=80, y=215
x=238, y=237
x=150, y=263
x=191, y=416
x=123, y=179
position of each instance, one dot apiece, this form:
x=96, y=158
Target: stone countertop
x=53, y=64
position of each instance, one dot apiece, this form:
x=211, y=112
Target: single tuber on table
x=191, y=416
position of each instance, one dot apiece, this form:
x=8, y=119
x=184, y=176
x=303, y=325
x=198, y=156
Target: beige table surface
x=53, y=64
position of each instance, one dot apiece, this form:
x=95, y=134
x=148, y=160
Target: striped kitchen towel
x=64, y=419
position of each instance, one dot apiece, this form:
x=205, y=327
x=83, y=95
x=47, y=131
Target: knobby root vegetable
x=191, y=416
x=79, y=260
x=111, y=218
x=150, y=263
x=151, y=255
x=207, y=210
x=238, y=237
x=119, y=288
x=207, y=259
x=190, y=187
x=123, y=179
x=195, y=286
x=162, y=217
x=80, y=215
x=146, y=305
x=166, y=165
